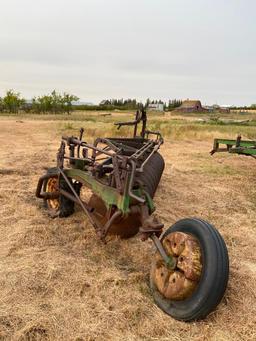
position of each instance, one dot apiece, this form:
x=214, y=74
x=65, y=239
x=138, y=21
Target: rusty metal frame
x=119, y=192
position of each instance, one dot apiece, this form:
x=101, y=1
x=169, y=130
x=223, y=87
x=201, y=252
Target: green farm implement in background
x=238, y=146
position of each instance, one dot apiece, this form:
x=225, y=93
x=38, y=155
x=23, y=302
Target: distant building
x=105, y=102
x=155, y=107
x=77, y=103
x=218, y=108
x=224, y=110
x=191, y=106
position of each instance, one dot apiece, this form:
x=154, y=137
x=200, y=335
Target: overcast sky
x=96, y=49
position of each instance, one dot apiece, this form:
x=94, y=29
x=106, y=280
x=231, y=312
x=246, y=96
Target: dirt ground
x=59, y=282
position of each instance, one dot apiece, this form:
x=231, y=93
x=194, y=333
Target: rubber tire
x=214, y=278
x=66, y=205
x=152, y=173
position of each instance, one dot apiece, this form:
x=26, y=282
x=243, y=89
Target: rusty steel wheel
x=60, y=207
x=52, y=185
x=198, y=282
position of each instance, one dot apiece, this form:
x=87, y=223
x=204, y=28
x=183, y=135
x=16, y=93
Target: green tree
x=42, y=104
x=55, y=103
x=147, y=102
x=12, y=101
x=67, y=100
x=1, y=105
x=174, y=104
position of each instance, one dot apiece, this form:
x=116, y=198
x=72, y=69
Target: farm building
x=224, y=108
x=191, y=106
x=218, y=108
x=105, y=102
x=156, y=107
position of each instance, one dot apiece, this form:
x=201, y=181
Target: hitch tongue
x=169, y=260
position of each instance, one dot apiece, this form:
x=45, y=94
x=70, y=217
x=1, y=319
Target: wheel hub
x=181, y=282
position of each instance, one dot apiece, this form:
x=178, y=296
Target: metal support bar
x=131, y=194
x=77, y=158
x=44, y=195
x=86, y=211
x=169, y=260
x=147, y=159
x=108, y=224
x=49, y=195
x=143, y=149
x=73, y=198
x=77, y=142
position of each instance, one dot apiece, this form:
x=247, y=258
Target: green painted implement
x=238, y=146
x=114, y=180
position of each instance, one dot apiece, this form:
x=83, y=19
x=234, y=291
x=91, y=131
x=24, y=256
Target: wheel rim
x=179, y=283
x=53, y=186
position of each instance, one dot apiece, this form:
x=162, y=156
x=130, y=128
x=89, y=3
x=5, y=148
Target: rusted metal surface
x=52, y=187
x=84, y=207
x=73, y=198
x=180, y=282
x=114, y=181
x=169, y=260
x=110, y=168
x=140, y=116
x=149, y=224
x=41, y=181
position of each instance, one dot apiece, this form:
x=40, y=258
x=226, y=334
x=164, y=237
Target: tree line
x=55, y=102
x=134, y=104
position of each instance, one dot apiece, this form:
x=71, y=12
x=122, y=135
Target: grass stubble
x=59, y=282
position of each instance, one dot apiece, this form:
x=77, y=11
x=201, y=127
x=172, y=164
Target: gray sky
x=96, y=49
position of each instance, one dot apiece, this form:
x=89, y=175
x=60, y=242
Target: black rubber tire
x=152, y=173
x=66, y=205
x=214, y=277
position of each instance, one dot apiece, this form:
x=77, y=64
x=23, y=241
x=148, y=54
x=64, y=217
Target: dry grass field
x=59, y=282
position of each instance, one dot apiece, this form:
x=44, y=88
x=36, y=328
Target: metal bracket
x=169, y=260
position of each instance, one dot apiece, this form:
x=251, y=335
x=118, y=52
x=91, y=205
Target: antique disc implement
x=114, y=181
x=238, y=146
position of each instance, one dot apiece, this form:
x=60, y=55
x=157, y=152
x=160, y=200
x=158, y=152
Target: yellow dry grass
x=59, y=282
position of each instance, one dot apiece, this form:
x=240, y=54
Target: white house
x=156, y=107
